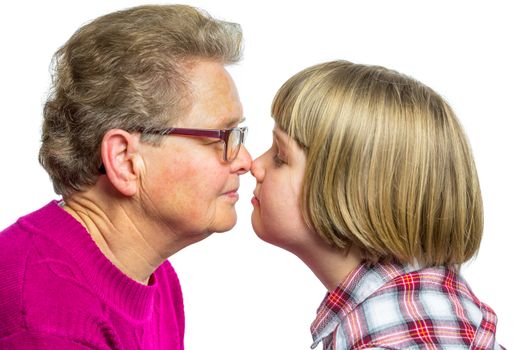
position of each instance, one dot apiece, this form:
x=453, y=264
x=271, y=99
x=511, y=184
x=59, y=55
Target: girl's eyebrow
x=281, y=144
x=278, y=137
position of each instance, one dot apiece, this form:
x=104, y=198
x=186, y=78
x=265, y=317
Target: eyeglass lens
x=234, y=144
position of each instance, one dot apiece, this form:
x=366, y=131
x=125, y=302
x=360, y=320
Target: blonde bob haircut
x=389, y=168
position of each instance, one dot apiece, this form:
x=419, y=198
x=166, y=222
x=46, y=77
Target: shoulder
x=49, y=309
x=41, y=290
x=429, y=306
x=15, y=248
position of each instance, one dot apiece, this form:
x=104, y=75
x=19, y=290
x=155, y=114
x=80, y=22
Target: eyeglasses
x=232, y=138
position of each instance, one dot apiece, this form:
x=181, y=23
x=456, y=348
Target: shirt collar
x=362, y=282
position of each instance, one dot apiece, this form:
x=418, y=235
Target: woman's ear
x=118, y=153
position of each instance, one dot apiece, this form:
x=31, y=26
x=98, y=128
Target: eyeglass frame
x=222, y=134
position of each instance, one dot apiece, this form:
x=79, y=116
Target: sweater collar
x=121, y=292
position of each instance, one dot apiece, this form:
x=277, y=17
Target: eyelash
x=213, y=142
x=278, y=161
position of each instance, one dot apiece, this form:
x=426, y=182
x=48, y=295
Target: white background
x=239, y=292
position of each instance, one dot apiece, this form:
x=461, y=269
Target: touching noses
x=243, y=162
x=257, y=169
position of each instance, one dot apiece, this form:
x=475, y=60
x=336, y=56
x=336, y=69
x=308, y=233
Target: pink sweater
x=58, y=291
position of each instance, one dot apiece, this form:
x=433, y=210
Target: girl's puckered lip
x=255, y=200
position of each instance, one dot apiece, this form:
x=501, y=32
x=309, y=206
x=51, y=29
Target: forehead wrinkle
x=216, y=103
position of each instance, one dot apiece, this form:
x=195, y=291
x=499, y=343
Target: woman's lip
x=255, y=201
x=231, y=195
x=231, y=191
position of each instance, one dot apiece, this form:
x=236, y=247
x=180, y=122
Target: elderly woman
x=141, y=138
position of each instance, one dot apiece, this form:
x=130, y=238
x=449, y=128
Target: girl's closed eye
x=277, y=160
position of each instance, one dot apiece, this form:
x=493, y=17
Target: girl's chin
x=258, y=227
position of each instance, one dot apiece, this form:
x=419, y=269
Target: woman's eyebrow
x=234, y=123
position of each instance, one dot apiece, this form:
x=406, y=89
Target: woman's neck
x=124, y=242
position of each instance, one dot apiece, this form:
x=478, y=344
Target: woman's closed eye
x=213, y=142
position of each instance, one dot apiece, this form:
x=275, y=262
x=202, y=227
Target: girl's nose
x=257, y=169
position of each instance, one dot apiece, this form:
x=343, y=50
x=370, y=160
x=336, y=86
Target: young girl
x=370, y=181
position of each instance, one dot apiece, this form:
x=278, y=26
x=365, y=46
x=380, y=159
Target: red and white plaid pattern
x=389, y=306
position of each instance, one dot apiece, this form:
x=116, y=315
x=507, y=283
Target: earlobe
x=118, y=153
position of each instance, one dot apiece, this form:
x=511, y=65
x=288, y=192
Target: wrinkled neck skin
x=134, y=242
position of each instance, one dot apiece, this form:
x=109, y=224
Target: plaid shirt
x=390, y=306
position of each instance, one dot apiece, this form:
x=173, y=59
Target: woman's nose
x=243, y=162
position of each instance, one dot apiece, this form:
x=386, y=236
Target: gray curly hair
x=124, y=70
